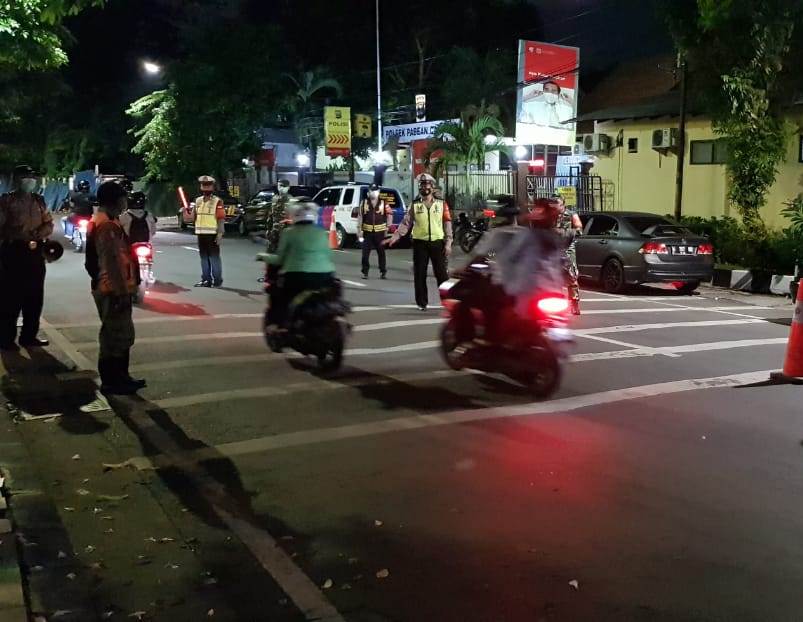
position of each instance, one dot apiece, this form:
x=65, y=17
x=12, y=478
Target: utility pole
x=681, y=138
x=378, y=88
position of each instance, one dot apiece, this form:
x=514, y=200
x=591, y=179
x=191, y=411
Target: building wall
x=645, y=181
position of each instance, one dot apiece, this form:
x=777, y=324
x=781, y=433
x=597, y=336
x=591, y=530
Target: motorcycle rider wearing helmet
x=304, y=261
x=210, y=221
x=568, y=226
x=139, y=224
x=523, y=260
x=431, y=224
x=25, y=224
x=111, y=268
x=81, y=201
x=373, y=221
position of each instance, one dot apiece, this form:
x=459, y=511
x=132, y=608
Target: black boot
x=139, y=383
x=112, y=377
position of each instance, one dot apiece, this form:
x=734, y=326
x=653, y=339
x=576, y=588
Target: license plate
x=684, y=250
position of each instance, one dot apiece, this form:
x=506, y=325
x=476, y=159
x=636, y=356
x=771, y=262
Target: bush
x=776, y=252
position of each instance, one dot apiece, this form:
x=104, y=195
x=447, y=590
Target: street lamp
x=302, y=159
x=151, y=68
x=521, y=152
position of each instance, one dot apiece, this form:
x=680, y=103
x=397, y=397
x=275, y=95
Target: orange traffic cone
x=333, y=234
x=793, y=365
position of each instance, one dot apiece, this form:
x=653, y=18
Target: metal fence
x=468, y=192
x=592, y=193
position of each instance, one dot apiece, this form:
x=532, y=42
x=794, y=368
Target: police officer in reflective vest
x=372, y=223
x=431, y=223
x=25, y=224
x=210, y=221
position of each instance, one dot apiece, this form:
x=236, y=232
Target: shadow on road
x=167, y=307
x=165, y=287
x=638, y=291
x=245, y=293
x=31, y=385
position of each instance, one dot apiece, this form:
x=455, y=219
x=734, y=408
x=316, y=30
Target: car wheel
x=342, y=237
x=241, y=228
x=613, y=277
x=687, y=288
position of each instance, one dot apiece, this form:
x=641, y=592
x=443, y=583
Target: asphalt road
x=662, y=482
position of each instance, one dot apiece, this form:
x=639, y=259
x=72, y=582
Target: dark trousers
x=423, y=253
x=116, y=337
x=373, y=241
x=22, y=288
x=211, y=265
x=288, y=286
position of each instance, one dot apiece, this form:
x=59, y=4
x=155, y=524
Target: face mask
x=373, y=195
x=551, y=98
x=284, y=189
x=28, y=185
x=425, y=191
x=206, y=192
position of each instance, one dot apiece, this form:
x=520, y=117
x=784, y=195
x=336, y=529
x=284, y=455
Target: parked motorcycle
x=143, y=254
x=75, y=228
x=471, y=236
x=531, y=351
x=316, y=327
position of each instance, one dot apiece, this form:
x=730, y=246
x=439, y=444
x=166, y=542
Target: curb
x=755, y=282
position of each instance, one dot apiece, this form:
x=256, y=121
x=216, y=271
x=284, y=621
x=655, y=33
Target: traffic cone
x=332, y=234
x=793, y=364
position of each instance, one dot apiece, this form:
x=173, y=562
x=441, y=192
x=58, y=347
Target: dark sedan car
x=256, y=210
x=618, y=249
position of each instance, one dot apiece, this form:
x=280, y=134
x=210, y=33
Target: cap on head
x=285, y=183
x=373, y=188
x=24, y=171
x=425, y=178
x=110, y=193
x=205, y=180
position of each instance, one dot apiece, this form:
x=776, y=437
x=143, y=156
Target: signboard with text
x=410, y=132
x=337, y=129
x=546, y=94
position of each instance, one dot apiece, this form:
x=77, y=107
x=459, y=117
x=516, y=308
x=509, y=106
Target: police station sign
x=410, y=132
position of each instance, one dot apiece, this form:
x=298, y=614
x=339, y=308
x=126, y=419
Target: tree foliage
x=31, y=34
x=467, y=142
x=741, y=65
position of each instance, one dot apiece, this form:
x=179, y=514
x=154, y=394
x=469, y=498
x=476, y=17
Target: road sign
x=362, y=125
x=337, y=126
x=569, y=194
x=420, y=108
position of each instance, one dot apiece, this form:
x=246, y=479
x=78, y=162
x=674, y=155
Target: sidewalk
x=747, y=298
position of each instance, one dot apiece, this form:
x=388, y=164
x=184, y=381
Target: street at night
x=660, y=483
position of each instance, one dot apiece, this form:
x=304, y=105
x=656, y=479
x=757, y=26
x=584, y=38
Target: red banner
x=420, y=148
x=544, y=61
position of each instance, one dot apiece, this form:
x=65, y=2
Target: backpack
x=139, y=230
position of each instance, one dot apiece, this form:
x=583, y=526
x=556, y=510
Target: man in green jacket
x=304, y=260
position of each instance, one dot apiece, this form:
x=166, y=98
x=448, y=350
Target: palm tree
x=309, y=126
x=466, y=142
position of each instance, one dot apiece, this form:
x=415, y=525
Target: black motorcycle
x=316, y=326
x=529, y=350
x=471, y=235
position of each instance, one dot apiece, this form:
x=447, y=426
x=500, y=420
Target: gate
x=588, y=188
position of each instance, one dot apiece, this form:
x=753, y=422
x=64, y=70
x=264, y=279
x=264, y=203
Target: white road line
x=354, y=283
x=628, y=328
x=628, y=345
x=418, y=422
x=190, y=248
x=64, y=344
x=694, y=347
x=398, y=324
x=673, y=309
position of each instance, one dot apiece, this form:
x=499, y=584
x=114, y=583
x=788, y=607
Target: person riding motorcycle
x=303, y=259
x=523, y=260
x=81, y=201
x=138, y=223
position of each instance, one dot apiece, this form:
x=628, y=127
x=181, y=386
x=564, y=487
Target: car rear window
x=656, y=226
x=390, y=196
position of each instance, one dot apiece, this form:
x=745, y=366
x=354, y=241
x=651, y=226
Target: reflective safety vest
x=428, y=223
x=206, y=214
x=374, y=219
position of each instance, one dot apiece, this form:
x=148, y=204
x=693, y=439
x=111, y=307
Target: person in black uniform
x=372, y=224
x=25, y=224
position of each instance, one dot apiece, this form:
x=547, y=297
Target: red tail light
x=552, y=306
x=705, y=249
x=488, y=213
x=143, y=251
x=653, y=248
x=83, y=225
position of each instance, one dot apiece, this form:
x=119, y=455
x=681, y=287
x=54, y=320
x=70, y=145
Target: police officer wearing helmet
x=210, y=221
x=431, y=225
x=25, y=225
x=373, y=221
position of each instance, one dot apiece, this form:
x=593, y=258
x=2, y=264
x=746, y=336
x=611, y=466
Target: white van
x=343, y=202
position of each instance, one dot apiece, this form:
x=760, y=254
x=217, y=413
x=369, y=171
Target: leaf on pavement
x=111, y=497
x=119, y=465
x=71, y=576
x=575, y=584
x=378, y=523
x=327, y=584
x=89, y=548
x=61, y=613
x=210, y=613
x=383, y=574
x=69, y=509
x=138, y=614
x=62, y=555
x=166, y=540
x=83, y=492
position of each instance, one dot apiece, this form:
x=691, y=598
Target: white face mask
x=373, y=194
x=551, y=98
x=283, y=189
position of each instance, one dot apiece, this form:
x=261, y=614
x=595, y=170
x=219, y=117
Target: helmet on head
x=83, y=186
x=206, y=179
x=127, y=184
x=305, y=211
x=24, y=171
x=137, y=200
x=544, y=213
x=425, y=177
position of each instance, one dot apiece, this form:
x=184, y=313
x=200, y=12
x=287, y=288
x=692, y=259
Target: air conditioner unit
x=665, y=138
x=596, y=143
x=578, y=147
